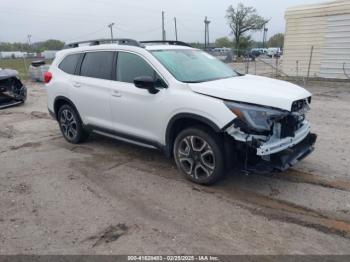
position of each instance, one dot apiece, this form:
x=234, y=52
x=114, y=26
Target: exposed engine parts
x=12, y=91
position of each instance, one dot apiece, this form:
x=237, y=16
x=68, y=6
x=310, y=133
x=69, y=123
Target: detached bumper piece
x=6, y=102
x=287, y=158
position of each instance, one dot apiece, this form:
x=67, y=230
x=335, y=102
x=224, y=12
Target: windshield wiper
x=193, y=82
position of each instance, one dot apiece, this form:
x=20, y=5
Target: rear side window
x=98, y=65
x=69, y=63
x=130, y=66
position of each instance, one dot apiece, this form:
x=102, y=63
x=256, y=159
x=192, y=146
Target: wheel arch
x=60, y=101
x=181, y=121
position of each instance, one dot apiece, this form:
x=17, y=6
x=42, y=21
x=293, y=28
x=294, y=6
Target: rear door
x=91, y=88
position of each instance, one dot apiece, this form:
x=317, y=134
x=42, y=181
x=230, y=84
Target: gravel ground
x=108, y=197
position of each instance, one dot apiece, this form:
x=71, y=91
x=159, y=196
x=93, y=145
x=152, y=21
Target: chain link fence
x=267, y=65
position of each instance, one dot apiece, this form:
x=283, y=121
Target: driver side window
x=130, y=66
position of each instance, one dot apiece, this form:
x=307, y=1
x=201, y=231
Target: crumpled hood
x=7, y=73
x=254, y=90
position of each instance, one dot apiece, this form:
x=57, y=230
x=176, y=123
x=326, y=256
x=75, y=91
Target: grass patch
x=20, y=65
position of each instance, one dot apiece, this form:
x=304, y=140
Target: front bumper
x=289, y=157
x=283, y=160
x=275, y=145
x=12, y=91
x=262, y=154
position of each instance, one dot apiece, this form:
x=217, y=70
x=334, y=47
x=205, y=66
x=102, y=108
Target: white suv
x=183, y=101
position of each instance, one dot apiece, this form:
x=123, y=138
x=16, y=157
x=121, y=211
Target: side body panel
x=133, y=111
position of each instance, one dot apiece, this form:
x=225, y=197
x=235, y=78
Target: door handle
x=116, y=94
x=76, y=84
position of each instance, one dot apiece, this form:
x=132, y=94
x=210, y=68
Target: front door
x=134, y=110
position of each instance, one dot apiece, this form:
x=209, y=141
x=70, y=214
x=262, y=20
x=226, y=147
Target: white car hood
x=254, y=90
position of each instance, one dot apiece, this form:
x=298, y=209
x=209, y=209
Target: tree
x=48, y=45
x=246, y=42
x=35, y=47
x=197, y=45
x=223, y=42
x=242, y=20
x=276, y=41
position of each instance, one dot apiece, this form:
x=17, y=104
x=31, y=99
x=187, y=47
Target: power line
x=88, y=17
x=87, y=34
x=139, y=32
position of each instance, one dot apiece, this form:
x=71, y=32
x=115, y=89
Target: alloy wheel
x=196, y=157
x=68, y=124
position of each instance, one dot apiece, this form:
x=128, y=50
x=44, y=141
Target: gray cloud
x=71, y=20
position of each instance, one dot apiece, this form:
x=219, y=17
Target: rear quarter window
x=98, y=65
x=69, y=63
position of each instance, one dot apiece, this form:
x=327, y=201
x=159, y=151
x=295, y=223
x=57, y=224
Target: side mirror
x=146, y=82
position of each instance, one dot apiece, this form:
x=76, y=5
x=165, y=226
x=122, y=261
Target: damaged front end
x=12, y=91
x=271, y=139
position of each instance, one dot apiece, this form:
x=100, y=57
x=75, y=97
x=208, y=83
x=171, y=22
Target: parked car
x=37, y=70
x=257, y=52
x=180, y=100
x=12, y=91
x=274, y=52
x=222, y=50
x=249, y=55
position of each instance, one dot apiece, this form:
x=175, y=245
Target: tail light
x=47, y=77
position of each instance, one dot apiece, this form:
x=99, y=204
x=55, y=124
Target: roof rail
x=119, y=41
x=167, y=42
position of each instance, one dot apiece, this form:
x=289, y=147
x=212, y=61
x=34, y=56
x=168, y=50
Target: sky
x=75, y=20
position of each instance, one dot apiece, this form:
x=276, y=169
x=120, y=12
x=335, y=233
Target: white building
x=326, y=28
x=14, y=54
x=49, y=54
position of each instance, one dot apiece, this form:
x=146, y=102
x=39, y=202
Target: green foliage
x=223, y=42
x=14, y=47
x=257, y=44
x=276, y=41
x=35, y=47
x=242, y=20
x=246, y=42
x=197, y=45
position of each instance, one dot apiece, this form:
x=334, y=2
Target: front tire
x=199, y=155
x=71, y=125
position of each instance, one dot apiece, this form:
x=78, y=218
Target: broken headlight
x=257, y=118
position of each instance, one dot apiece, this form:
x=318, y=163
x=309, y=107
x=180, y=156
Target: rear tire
x=199, y=154
x=71, y=125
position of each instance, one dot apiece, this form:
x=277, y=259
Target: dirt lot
x=108, y=197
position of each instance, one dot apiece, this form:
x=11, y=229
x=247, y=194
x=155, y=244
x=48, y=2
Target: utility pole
x=29, y=40
x=206, y=33
x=265, y=36
x=111, y=28
x=163, y=27
x=175, y=28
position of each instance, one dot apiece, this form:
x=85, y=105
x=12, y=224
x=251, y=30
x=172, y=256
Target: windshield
x=193, y=66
